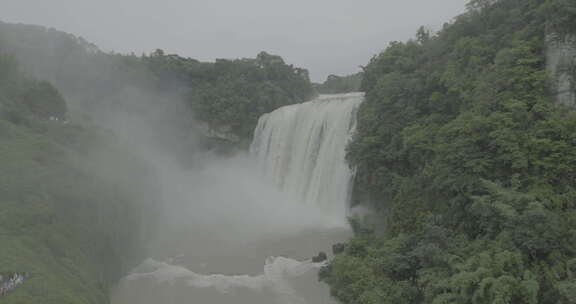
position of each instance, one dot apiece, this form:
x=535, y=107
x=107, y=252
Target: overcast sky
x=324, y=36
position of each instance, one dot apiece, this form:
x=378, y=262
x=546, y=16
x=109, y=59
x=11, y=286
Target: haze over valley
x=319, y=152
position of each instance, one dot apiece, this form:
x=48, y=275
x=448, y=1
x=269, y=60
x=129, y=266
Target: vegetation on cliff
x=230, y=95
x=459, y=144
x=73, y=226
x=335, y=84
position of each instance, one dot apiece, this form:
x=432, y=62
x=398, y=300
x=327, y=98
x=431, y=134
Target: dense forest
x=462, y=149
x=335, y=84
x=230, y=95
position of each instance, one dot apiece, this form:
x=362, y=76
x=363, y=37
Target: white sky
x=324, y=36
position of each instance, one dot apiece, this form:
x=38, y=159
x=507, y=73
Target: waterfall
x=301, y=148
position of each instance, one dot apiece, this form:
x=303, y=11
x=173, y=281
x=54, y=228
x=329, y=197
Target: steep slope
x=72, y=199
x=461, y=146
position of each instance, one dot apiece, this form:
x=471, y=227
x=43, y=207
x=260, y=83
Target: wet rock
x=338, y=248
x=321, y=257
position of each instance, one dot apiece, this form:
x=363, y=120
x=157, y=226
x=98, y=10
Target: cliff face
x=561, y=62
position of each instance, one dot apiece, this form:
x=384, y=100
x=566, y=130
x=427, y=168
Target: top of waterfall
x=324, y=98
x=352, y=95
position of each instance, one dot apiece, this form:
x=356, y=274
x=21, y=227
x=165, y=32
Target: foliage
x=335, y=84
x=63, y=217
x=233, y=94
x=460, y=145
x=228, y=95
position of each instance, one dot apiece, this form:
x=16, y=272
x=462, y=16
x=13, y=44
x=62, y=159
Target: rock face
x=561, y=64
x=321, y=257
x=223, y=133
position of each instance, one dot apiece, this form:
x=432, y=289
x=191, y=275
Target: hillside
x=64, y=219
x=463, y=149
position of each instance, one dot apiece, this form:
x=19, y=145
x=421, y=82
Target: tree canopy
x=463, y=151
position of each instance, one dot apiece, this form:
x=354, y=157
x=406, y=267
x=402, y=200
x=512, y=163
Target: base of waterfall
x=274, y=285
x=250, y=275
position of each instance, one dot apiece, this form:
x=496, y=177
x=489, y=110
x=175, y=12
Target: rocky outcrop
x=223, y=133
x=561, y=64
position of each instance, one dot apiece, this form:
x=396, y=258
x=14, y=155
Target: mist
x=198, y=189
x=216, y=212
x=219, y=224
x=295, y=152
x=202, y=190
x=215, y=216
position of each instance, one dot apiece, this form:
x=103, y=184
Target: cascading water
x=292, y=208
x=301, y=148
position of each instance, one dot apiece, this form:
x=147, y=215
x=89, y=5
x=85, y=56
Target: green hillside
x=64, y=218
x=461, y=147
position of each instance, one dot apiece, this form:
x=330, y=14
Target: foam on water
x=278, y=271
